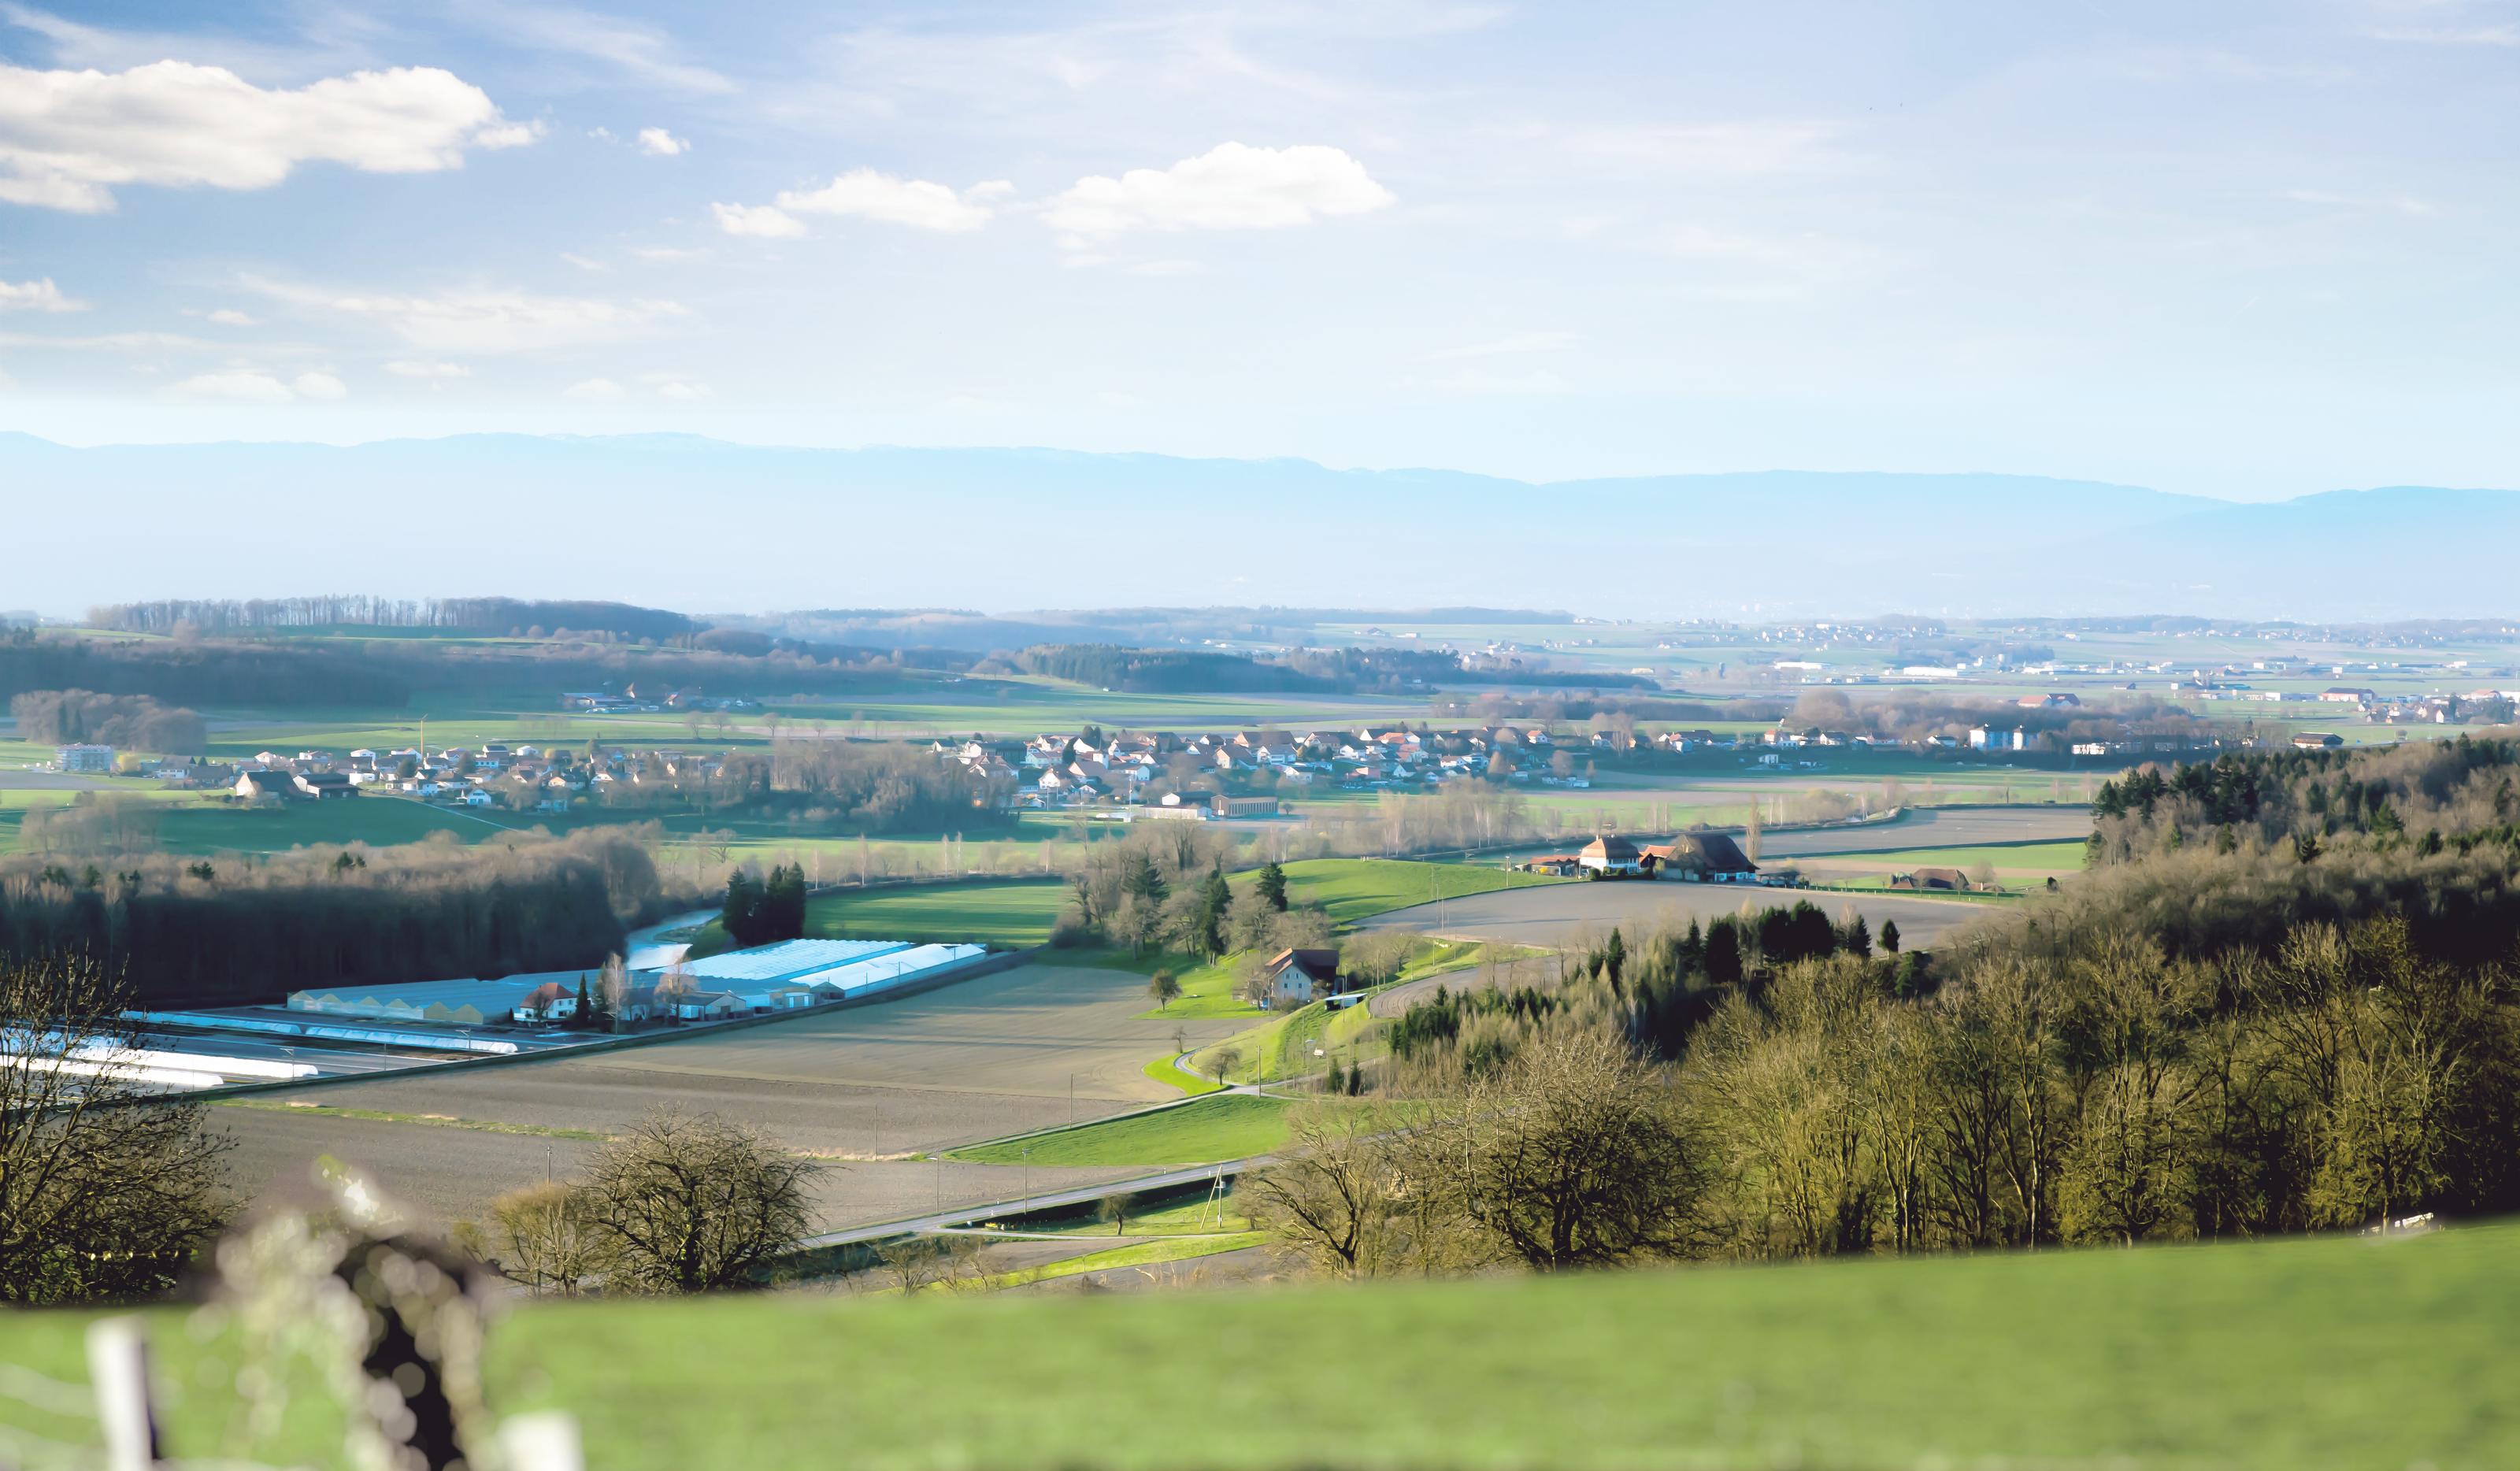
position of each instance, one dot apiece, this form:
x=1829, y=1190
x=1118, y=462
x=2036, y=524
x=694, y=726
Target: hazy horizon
x=2255, y=253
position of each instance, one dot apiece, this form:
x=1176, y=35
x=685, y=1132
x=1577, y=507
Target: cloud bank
x=67, y=137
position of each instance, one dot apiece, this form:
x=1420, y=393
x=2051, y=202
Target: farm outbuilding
x=461, y=1003
x=1702, y=858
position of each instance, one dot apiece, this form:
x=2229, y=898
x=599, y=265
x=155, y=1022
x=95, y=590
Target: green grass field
x=1234, y=1126
x=1357, y=888
x=2298, y=1355
x=2326, y=1354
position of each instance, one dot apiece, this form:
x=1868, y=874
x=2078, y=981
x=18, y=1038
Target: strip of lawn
x=1232, y=1126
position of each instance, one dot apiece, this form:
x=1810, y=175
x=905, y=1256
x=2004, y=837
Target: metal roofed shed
x=463, y=1003
x=886, y=971
x=789, y=961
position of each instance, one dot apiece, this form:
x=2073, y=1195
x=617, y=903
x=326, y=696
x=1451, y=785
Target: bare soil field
x=976, y=1060
x=1561, y=911
x=1937, y=827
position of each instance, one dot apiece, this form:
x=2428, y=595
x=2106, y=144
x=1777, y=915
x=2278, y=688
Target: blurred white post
x=543, y=1441
x=118, y=1367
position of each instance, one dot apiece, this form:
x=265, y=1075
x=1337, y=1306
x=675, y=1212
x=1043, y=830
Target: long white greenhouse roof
x=788, y=959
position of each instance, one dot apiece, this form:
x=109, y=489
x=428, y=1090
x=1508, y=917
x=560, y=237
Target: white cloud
x=597, y=388
x=482, y=320
x=583, y=264
x=656, y=142
x=427, y=368
x=758, y=219
x=36, y=296
x=1168, y=268
x=228, y=316
x=1230, y=187
x=1521, y=341
x=666, y=252
x=867, y=195
x=681, y=385
x=253, y=388
x=319, y=385
x=66, y=136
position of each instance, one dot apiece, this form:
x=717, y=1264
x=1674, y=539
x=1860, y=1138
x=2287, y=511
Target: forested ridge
x=197, y=673
x=2282, y=1002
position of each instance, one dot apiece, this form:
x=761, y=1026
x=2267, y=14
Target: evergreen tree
x=736, y=914
x=1207, y=932
x=1890, y=937
x=1722, y=954
x=1141, y=882
x=1273, y=886
x=585, y=1016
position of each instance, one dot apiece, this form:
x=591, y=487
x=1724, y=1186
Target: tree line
x=128, y=722
x=834, y=786
x=480, y=615
x=236, y=929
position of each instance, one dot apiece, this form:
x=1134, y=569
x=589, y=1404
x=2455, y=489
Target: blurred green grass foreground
x=2345, y=1353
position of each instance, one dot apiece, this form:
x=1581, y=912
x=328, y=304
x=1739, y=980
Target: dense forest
x=2279, y=1002
x=251, y=928
x=1162, y=671
x=2250, y=846
x=191, y=672
x=128, y=722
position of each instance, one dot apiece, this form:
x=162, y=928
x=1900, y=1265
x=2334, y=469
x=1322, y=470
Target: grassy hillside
x=2327, y=1355
x=2297, y=1355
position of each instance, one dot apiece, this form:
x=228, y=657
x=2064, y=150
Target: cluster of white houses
x=525, y=776
x=785, y=977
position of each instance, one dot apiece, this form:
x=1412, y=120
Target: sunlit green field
x=1220, y=1127
x=1356, y=888
x=2324, y=1355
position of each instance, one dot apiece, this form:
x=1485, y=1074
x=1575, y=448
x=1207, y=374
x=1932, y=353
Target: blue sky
x=2241, y=250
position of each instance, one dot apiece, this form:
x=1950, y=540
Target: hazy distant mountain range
x=699, y=524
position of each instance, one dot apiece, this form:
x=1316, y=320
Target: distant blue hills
x=698, y=524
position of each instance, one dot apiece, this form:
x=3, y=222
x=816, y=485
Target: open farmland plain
x=862, y=1087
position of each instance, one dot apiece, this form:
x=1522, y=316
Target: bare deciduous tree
x=107, y=1191
x=692, y=1203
